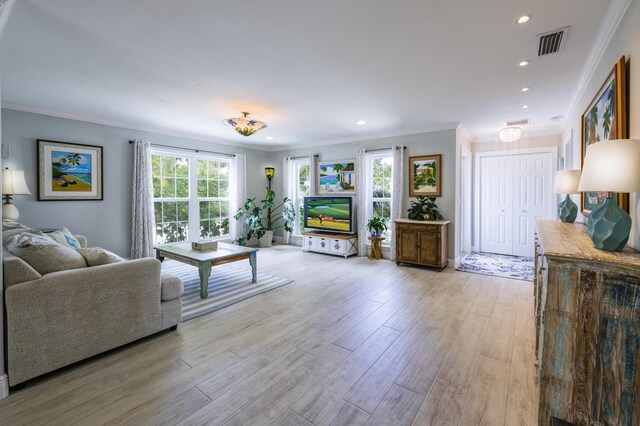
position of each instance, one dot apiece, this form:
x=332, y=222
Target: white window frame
x=369, y=159
x=193, y=200
x=298, y=197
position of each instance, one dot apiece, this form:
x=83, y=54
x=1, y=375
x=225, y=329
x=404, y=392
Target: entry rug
x=519, y=268
x=228, y=284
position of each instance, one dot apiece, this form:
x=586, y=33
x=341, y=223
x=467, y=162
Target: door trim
x=553, y=150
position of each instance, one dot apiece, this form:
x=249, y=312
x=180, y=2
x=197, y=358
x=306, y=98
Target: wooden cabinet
x=587, y=311
x=421, y=242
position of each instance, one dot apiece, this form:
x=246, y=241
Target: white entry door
x=515, y=191
x=496, y=211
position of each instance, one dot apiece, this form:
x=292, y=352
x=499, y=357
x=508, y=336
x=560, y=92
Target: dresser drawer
x=323, y=244
x=337, y=246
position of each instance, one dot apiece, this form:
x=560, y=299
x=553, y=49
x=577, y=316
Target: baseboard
x=4, y=386
x=457, y=262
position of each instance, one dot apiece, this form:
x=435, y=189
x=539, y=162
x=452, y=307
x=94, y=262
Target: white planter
x=266, y=239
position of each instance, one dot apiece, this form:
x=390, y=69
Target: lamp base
x=609, y=226
x=567, y=210
x=10, y=212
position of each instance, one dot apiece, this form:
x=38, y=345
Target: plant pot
x=266, y=239
x=375, y=233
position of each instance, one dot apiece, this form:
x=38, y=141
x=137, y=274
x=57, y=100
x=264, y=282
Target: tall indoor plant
x=261, y=220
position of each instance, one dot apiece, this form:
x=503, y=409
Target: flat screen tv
x=331, y=214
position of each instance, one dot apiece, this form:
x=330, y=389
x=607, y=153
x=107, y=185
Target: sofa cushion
x=64, y=237
x=44, y=254
x=95, y=256
x=171, y=287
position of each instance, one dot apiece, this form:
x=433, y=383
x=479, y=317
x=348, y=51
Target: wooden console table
x=587, y=308
x=422, y=242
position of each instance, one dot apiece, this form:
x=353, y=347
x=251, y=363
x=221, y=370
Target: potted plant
x=261, y=220
x=424, y=208
x=376, y=226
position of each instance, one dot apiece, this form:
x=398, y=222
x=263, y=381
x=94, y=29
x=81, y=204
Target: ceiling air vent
x=518, y=122
x=551, y=42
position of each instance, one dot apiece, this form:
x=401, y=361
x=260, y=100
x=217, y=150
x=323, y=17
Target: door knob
x=524, y=211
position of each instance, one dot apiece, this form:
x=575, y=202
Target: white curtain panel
x=142, y=219
x=313, y=174
x=397, y=195
x=288, y=186
x=361, y=201
x=238, y=191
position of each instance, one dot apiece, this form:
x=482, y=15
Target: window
x=302, y=190
x=191, y=196
x=379, y=194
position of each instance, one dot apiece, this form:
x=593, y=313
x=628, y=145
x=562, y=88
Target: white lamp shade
x=14, y=183
x=567, y=182
x=611, y=166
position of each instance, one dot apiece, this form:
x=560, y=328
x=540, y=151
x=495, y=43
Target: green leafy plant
x=424, y=208
x=258, y=219
x=376, y=226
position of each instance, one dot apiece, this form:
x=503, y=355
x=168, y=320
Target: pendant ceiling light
x=510, y=134
x=244, y=125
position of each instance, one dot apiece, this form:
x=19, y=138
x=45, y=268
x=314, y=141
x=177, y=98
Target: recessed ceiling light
x=525, y=89
x=523, y=19
x=525, y=106
x=361, y=122
x=269, y=138
x=523, y=63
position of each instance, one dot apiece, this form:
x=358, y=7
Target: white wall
x=106, y=223
x=625, y=41
x=441, y=142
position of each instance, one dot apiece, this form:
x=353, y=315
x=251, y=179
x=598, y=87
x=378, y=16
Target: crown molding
x=128, y=126
x=610, y=23
x=531, y=134
x=464, y=132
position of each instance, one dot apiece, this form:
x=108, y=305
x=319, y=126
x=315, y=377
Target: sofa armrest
x=16, y=270
x=82, y=240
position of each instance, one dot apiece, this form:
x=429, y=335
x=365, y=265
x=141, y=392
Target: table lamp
x=13, y=183
x=611, y=166
x=567, y=183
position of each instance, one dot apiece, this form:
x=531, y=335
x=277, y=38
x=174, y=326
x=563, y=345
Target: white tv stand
x=336, y=244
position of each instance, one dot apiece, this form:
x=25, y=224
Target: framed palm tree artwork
x=425, y=176
x=69, y=171
x=605, y=119
x=336, y=177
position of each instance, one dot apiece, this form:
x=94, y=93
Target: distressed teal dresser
x=587, y=328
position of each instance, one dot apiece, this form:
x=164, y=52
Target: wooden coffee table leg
x=205, y=271
x=253, y=260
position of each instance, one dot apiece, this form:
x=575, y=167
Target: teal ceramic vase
x=567, y=210
x=609, y=226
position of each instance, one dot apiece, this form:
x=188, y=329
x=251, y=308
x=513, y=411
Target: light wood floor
x=350, y=342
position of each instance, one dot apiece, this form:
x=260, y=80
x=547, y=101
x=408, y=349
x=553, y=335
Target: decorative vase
x=567, y=210
x=609, y=226
x=375, y=233
x=266, y=239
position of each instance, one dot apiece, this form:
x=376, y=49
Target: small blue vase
x=609, y=226
x=375, y=233
x=567, y=210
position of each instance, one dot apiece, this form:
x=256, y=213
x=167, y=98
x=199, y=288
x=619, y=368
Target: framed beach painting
x=604, y=119
x=69, y=171
x=425, y=176
x=337, y=177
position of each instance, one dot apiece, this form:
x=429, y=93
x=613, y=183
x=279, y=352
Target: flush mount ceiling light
x=361, y=122
x=523, y=19
x=523, y=63
x=244, y=125
x=510, y=134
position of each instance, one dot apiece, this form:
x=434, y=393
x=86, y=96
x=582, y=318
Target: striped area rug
x=228, y=284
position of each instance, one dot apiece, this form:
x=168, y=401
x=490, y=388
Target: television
x=330, y=214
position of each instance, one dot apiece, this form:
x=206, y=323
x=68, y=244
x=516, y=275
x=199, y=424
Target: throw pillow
x=95, y=256
x=64, y=237
x=43, y=254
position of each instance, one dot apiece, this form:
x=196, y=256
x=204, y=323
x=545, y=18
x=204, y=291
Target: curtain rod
x=301, y=156
x=381, y=149
x=189, y=149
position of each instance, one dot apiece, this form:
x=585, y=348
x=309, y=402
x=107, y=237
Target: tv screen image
x=331, y=214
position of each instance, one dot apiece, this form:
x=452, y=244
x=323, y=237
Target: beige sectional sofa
x=59, y=318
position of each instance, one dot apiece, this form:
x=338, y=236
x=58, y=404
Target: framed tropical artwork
x=337, y=177
x=69, y=171
x=425, y=176
x=604, y=119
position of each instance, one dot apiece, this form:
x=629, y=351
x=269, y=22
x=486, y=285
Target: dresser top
x=425, y=222
x=571, y=241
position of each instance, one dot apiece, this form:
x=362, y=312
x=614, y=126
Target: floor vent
x=551, y=42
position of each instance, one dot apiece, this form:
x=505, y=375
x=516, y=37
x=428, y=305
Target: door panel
x=496, y=206
x=408, y=249
x=429, y=249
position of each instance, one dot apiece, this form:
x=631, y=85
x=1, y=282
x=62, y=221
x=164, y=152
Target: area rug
x=228, y=284
x=519, y=268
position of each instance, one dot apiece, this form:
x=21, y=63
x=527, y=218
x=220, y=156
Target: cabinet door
x=337, y=246
x=309, y=243
x=429, y=248
x=407, y=248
